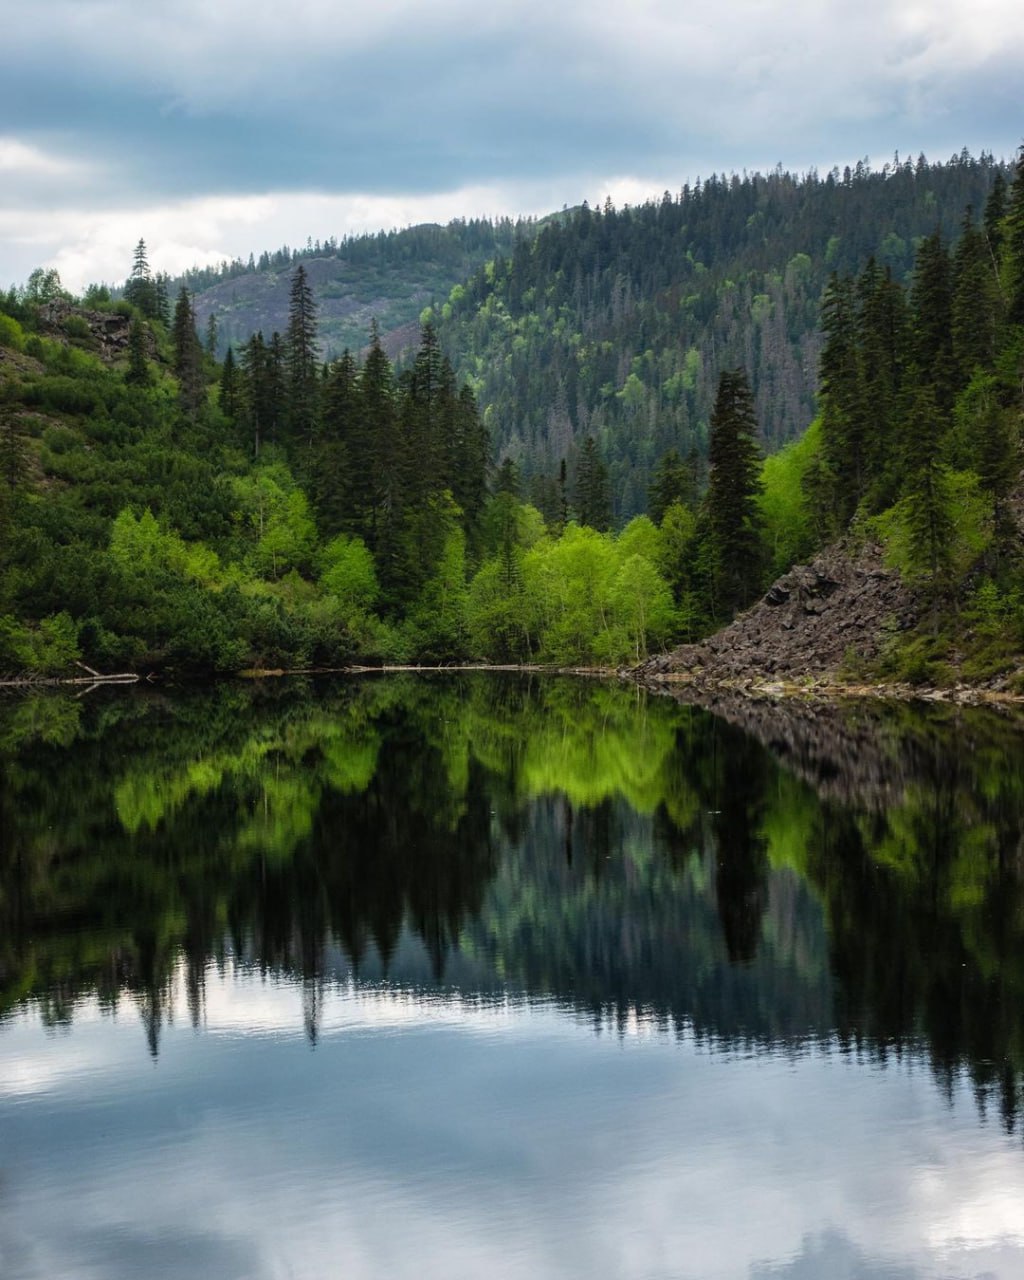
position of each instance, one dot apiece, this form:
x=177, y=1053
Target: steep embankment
x=818, y=620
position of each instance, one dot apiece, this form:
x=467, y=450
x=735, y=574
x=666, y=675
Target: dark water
x=497, y=978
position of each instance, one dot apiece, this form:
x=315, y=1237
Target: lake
x=490, y=976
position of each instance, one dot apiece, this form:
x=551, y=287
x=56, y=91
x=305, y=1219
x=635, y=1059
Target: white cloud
x=87, y=246
x=514, y=108
x=17, y=157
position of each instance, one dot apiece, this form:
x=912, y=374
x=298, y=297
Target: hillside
x=616, y=323
x=388, y=278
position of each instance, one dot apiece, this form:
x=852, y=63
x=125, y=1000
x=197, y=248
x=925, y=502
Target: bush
x=12, y=336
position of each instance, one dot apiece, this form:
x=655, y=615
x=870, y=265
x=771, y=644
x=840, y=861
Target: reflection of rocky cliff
x=863, y=751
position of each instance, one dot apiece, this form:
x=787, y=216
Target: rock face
x=108, y=330
x=812, y=622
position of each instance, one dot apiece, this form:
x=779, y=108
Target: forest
x=161, y=508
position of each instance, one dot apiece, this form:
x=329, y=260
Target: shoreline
x=821, y=688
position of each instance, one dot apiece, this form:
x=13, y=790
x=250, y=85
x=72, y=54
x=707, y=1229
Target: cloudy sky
x=216, y=129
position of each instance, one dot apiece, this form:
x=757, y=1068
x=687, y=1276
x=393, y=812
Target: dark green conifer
x=140, y=290
x=593, y=490
x=974, y=310
x=188, y=366
x=301, y=360
x=931, y=299
x=137, y=374
x=842, y=398
x=1013, y=249
x=736, y=547
x=675, y=480
x=229, y=385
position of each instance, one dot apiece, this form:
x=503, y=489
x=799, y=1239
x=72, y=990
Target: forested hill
x=388, y=277
x=616, y=323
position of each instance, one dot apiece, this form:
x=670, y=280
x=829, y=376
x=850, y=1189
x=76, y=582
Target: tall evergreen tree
x=229, y=385
x=881, y=335
x=337, y=482
x=593, y=490
x=188, y=363
x=736, y=546
x=301, y=359
x=1013, y=247
x=842, y=401
x=137, y=373
x=974, y=311
x=140, y=289
x=931, y=311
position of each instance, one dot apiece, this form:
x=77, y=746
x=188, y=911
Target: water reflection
x=590, y=844
x=422, y=960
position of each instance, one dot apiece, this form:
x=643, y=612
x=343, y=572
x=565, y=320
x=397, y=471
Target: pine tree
x=187, y=356
x=336, y=485
x=881, y=338
x=995, y=212
x=931, y=316
x=674, y=481
x=842, y=399
x=471, y=460
x=137, y=373
x=1013, y=249
x=301, y=360
x=736, y=549
x=377, y=459
x=140, y=289
x=211, y=336
x=593, y=500
x=229, y=385
x=973, y=312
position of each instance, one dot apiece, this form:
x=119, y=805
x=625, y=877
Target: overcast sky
x=216, y=129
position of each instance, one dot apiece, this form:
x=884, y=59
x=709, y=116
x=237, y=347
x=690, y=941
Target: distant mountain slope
x=389, y=277
x=617, y=322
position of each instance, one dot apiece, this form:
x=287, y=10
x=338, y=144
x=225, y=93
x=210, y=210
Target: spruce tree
x=973, y=312
x=593, y=491
x=926, y=491
x=301, y=359
x=229, y=385
x=736, y=547
x=842, y=400
x=1013, y=248
x=137, y=373
x=931, y=315
x=188, y=365
x=674, y=481
x=336, y=485
x=140, y=289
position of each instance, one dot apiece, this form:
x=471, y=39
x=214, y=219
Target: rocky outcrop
x=815, y=621
x=108, y=331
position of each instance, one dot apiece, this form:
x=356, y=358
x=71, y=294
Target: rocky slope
x=816, y=620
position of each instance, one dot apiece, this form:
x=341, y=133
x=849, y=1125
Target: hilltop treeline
x=617, y=323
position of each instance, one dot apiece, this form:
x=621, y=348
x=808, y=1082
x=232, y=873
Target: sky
x=214, y=130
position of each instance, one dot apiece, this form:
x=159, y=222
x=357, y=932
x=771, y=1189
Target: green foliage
x=784, y=503
x=966, y=522
x=12, y=336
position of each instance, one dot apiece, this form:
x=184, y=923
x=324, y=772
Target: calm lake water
x=495, y=977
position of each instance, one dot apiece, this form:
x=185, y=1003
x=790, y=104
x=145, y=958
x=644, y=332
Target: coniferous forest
x=610, y=438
